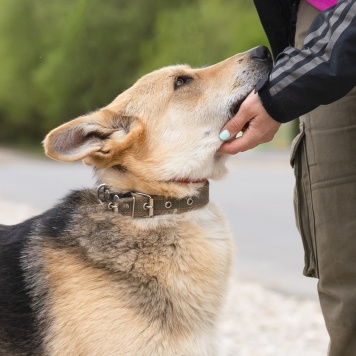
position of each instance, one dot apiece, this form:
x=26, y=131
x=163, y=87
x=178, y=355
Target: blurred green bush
x=62, y=58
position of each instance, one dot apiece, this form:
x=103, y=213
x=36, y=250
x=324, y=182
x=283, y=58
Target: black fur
x=17, y=319
x=19, y=325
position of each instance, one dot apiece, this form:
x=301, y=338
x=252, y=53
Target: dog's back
x=22, y=316
x=17, y=319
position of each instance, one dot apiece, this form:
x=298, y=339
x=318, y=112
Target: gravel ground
x=260, y=322
x=256, y=321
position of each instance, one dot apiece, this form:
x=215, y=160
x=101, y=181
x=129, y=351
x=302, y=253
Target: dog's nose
x=261, y=52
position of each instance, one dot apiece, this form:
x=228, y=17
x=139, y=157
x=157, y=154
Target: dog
x=139, y=265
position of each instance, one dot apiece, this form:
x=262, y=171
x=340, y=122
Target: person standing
x=314, y=79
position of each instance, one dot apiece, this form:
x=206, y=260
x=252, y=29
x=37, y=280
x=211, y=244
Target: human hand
x=255, y=123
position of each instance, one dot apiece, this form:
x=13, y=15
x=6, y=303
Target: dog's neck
x=187, y=180
x=137, y=204
x=123, y=182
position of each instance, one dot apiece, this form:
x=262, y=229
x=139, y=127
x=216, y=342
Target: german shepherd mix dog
x=140, y=265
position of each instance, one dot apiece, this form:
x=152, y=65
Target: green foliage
x=61, y=59
x=202, y=32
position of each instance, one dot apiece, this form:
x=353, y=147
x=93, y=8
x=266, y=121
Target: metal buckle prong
x=116, y=202
x=147, y=206
x=133, y=206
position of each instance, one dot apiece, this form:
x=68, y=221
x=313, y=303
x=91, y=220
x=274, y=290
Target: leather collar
x=137, y=204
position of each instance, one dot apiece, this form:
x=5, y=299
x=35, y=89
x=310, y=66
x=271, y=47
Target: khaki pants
x=324, y=159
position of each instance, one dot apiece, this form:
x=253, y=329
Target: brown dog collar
x=137, y=204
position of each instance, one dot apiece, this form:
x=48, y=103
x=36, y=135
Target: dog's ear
x=97, y=138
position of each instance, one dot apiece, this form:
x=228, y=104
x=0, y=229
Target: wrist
x=274, y=111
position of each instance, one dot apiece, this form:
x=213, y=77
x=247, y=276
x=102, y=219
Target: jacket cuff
x=272, y=109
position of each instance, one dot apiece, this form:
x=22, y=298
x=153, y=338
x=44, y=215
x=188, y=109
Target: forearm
x=323, y=71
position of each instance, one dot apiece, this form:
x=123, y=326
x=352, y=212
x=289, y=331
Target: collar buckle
x=103, y=193
x=147, y=206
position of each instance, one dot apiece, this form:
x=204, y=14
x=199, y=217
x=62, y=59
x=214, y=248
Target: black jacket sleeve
x=278, y=18
x=323, y=71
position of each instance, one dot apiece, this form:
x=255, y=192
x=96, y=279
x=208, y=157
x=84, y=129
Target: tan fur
x=147, y=286
x=151, y=126
x=96, y=312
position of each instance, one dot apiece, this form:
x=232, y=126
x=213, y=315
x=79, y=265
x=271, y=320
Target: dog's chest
x=153, y=290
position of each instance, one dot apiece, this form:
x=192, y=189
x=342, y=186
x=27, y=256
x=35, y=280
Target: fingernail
x=224, y=135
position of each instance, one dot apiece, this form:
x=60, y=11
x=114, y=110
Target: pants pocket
x=303, y=204
x=296, y=143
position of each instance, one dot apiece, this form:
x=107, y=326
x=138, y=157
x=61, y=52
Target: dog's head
x=164, y=128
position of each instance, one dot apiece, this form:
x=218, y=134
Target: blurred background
x=63, y=58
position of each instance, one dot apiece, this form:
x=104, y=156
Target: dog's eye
x=181, y=80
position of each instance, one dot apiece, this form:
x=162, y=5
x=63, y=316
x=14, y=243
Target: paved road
x=256, y=196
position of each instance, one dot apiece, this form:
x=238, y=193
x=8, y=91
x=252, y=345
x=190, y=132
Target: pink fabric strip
x=322, y=4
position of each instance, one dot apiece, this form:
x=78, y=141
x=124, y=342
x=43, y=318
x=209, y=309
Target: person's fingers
x=260, y=129
x=255, y=123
